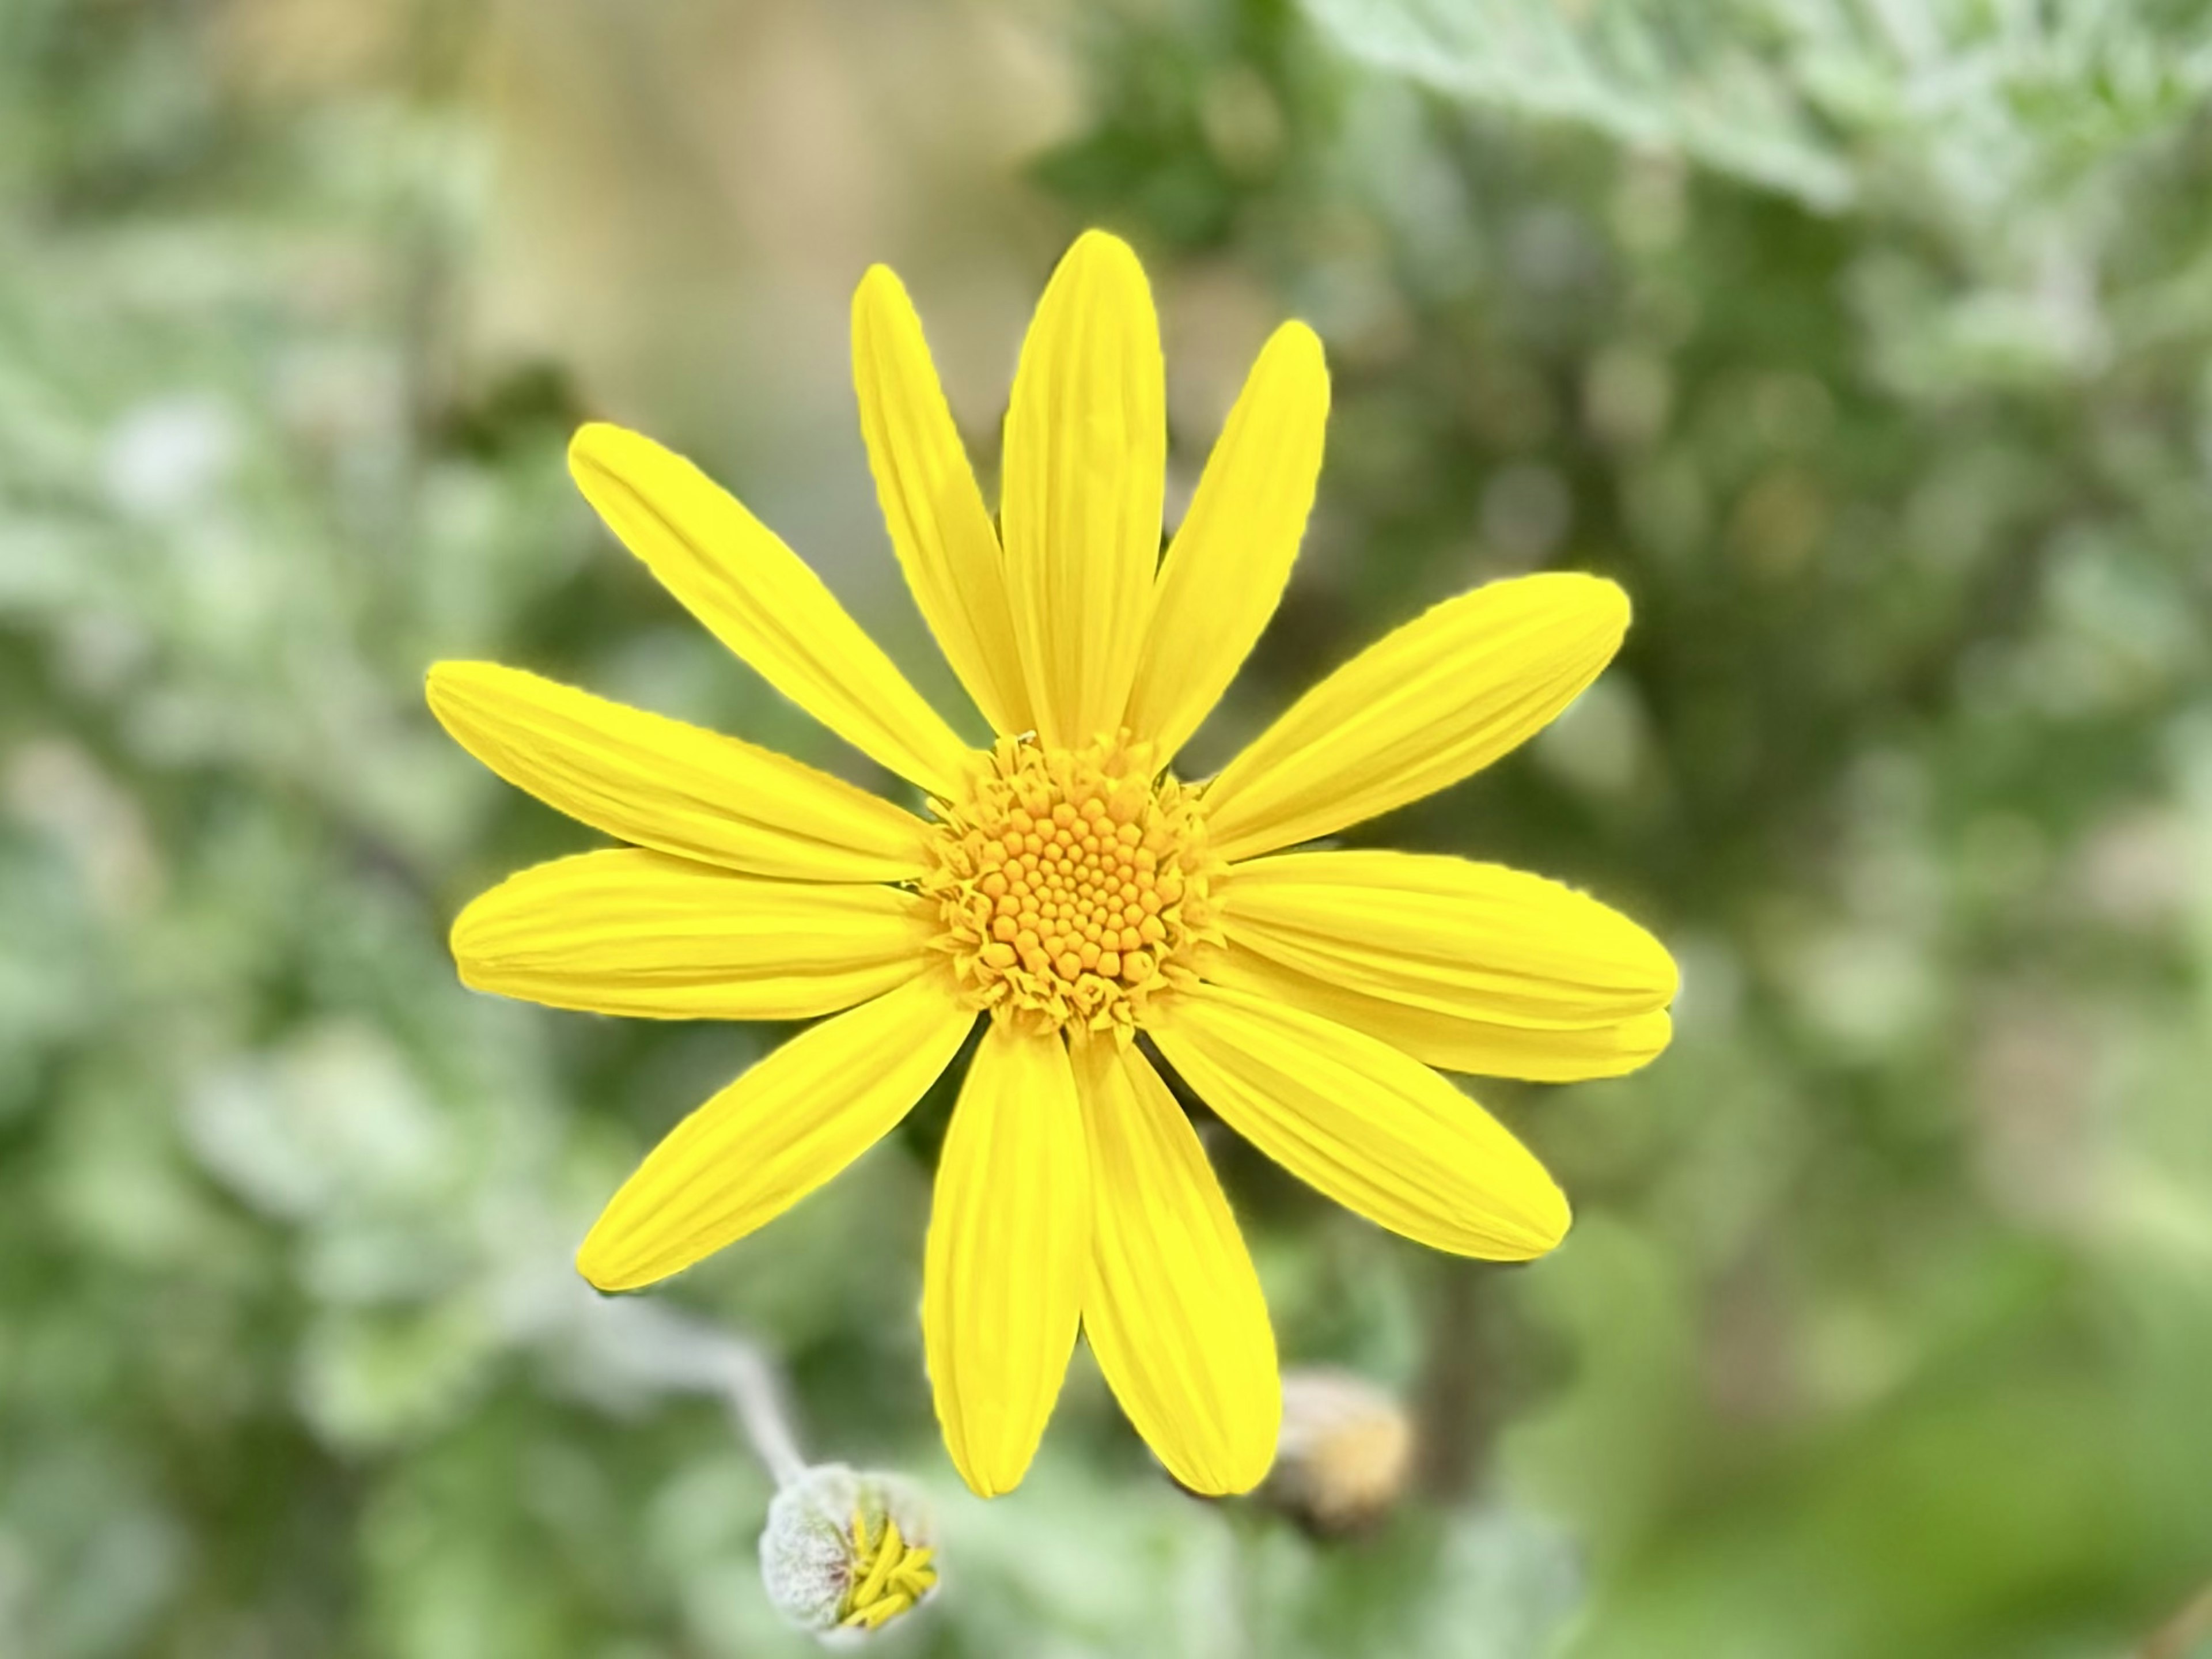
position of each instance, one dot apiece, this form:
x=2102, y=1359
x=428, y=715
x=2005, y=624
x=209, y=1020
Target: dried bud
x=845, y=1552
x=1345, y=1451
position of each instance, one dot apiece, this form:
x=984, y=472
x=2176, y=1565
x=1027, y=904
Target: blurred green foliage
x=1868, y=344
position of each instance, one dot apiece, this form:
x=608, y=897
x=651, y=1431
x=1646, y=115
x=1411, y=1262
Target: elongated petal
x=938, y=526
x=1374, y=1128
x=1229, y=562
x=776, y=1134
x=1476, y=940
x=1085, y=464
x=1444, y=696
x=1002, y=1276
x=665, y=784
x=639, y=934
x=757, y=597
x=1535, y=1053
x=1173, y=1308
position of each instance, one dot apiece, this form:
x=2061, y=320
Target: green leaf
x=1835, y=102
x=1710, y=81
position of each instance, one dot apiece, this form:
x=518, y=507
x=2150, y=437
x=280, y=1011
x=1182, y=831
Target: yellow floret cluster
x=1072, y=883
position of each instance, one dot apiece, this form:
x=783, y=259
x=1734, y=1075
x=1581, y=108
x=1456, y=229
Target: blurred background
x=1868, y=343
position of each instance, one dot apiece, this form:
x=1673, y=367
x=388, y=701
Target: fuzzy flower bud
x=1346, y=1452
x=845, y=1552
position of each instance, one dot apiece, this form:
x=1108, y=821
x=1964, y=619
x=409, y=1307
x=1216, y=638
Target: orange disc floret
x=1073, y=884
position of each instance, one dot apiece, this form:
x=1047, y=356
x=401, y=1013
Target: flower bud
x=1345, y=1451
x=845, y=1552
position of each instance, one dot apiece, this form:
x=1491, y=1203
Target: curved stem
x=649, y=1343
x=755, y=1399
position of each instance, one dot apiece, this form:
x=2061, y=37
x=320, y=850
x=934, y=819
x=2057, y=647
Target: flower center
x=1073, y=884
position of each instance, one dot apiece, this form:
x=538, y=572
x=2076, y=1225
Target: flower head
x=846, y=1552
x=1346, y=1450
x=1065, y=885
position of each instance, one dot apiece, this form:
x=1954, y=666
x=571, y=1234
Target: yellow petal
x=1227, y=566
x=1002, y=1276
x=1375, y=1129
x=1086, y=463
x=761, y=600
x=665, y=784
x=937, y=522
x=638, y=933
x=1448, y=693
x=776, y=1134
x=1173, y=1308
x=1476, y=940
x=1537, y=1054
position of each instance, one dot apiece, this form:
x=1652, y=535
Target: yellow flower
x=1067, y=883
